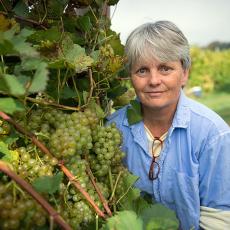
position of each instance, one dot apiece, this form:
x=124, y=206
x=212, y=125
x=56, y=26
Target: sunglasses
x=154, y=164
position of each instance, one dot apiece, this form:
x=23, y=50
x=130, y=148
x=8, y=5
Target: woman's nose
x=154, y=77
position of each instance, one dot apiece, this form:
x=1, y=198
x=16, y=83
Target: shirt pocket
x=180, y=190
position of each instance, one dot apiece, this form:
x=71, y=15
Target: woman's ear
x=184, y=78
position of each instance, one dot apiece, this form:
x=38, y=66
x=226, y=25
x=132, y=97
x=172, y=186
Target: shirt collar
x=182, y=114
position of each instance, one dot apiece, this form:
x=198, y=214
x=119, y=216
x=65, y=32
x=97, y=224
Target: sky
x=202, y=21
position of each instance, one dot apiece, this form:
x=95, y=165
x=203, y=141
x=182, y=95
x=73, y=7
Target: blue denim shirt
x=194, y=162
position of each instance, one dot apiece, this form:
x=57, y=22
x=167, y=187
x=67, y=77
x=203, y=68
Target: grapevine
x=61, y=70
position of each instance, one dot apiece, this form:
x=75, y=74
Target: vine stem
x=112, y=187
x=27, y=187
x=43, y=148
x=3, y=5
x=101, y=197
x=73, y=180
x=92, y=84
x=25, y=20
x=115, y=186
x=52, y=104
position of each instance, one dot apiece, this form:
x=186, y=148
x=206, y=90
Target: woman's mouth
x=154, y=93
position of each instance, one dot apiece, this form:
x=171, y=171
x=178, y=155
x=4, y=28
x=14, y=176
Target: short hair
x=162, y=40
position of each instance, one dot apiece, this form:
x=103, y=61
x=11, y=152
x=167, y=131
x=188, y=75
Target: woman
x=180, y=149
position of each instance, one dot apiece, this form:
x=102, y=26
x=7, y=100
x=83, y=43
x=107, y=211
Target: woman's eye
x=165, y=69
x=141, y=71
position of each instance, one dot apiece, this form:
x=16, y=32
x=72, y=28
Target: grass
x=219, y=102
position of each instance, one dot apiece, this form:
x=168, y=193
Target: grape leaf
x=40, y=79
x=158, y=216
x=95, y=55
x=131, y=194
x=22, y=47
x=67, y=44
x=134, y=112
x=56, y=8
x=31, y=64
x=115, y=43
x=124, y=220
x=52, y=34
x=10, y=105
x=116, y=91
x=96, y=108
x=6, y=47
x=56, y=63
x=14, y=86
x=48, y=184
x=26, y=32
x=74, y=55
x=82, y=63
x=15, y=42
x=9, y=155
x=74, y=51
x=10, y=139
x=67, y=93
x=84, y=23
x=140, y=204
x=9, y=34
x=77, y=59
x=21, y=9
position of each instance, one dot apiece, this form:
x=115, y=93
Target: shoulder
x=119, y=116
x=208, y=133
x=204, y=116
x=206, y=126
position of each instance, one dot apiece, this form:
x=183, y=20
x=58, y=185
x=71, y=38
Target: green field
x=219, y=102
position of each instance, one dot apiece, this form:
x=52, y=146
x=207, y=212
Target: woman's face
x=158, y=84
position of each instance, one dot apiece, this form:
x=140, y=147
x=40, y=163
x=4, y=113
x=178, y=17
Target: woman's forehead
x=153, y=62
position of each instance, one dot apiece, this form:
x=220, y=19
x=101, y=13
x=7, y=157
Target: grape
x=106, y=141
x=70, y=136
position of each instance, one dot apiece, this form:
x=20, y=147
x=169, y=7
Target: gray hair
x=162, y=40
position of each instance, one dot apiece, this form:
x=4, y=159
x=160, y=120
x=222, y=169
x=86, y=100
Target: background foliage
x=210, y=69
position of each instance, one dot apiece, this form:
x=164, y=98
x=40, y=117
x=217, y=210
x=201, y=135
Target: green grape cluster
x=30, y=165
x=34, y=120
x=77, y=167
x=65, y=133
x=76, y=211
x=15, y=210
x=106, y=146
x=72, y=134
x=80, y=142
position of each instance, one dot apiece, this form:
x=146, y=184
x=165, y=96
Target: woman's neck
x=157, y=121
